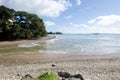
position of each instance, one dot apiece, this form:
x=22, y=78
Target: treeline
x=16, y=25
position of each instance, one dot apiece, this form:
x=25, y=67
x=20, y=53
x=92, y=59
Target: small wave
x=51, y=51
x=51, y=41
x=105, y=38
x=101, y=38
x=28, y=45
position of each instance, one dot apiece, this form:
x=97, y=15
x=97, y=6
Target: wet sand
x=6, y=44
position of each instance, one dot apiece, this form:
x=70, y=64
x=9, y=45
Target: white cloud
x=78, y=2
x=68, y=17
x=51, y=8
x=78, y=25
x=105, y=24
x=49, y=23
x=105, y=20
x=100, y=24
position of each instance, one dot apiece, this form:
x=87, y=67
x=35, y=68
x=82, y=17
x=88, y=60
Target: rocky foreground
x=102, y=67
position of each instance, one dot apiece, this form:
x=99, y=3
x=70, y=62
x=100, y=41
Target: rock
x=53, y=65
x=18, y=75
x=68, y=76
x=28, y=76
x=77, y=76
x=64, y=74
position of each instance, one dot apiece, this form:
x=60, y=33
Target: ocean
x=77, y=44
x=83, y=44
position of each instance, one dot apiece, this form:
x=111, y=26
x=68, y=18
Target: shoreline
x=4, y=44
x=22, y=46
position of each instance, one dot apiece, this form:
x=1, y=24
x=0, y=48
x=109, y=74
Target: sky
x=73, y=16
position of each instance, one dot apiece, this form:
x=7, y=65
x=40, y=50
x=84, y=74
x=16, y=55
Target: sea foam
x=52, y=41
x=28, y=44
x=51, y=51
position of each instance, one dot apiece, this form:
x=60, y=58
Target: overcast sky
x=73, y=16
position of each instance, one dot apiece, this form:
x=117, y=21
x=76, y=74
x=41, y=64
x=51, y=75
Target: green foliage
x=20, y=25
x=6, y=13
x=48, y=76
x=44, y=76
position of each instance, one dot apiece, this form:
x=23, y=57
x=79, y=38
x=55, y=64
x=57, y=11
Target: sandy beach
x=91, y=67
x=94, y=67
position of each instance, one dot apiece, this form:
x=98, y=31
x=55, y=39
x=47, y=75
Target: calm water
x=84, y=44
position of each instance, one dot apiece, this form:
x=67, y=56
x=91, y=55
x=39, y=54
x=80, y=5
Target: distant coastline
x=55, y=33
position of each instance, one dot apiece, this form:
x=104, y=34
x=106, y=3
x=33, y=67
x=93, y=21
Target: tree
x=6, y=13
x=20, y=25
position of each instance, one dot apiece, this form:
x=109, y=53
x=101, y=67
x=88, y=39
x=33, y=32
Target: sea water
x=84, y=44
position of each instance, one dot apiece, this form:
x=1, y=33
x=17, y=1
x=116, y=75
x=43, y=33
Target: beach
x=94, y=67
x=13, y=66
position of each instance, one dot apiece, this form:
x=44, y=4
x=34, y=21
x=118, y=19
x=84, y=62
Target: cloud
x=51, y=8
x=78, y=25
x=105, y=20
x=78, y=2
x=100, y=24
x=68, y=17
x=49, y=23
x=105, y=24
